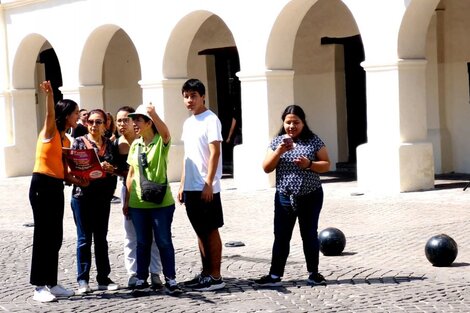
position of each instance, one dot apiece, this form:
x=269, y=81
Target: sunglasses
x=123, y=120
x=95, y=122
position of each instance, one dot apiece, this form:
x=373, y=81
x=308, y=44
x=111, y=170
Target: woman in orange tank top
x=46, y=195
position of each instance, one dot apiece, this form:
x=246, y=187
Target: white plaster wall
x=434, y=94
x=448, y=100
x=457, y=54
x=121, y=74
x=164, y=45
x=315, y=69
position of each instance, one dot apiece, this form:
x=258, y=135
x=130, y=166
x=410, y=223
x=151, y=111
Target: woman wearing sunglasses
x=91, y=207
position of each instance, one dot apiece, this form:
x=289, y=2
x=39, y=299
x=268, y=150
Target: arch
x=414, y=27
x=177, y=49
x=105, y=83
x=91, y=61
x=280, y=48
x=25, y=60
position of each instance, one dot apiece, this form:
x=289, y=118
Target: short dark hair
x=126, y=108
x=62, y=109
x=194, y=84
x=299, y=112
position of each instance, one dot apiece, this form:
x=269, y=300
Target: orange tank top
x=49, y=155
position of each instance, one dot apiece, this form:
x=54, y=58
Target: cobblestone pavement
x=383, y=268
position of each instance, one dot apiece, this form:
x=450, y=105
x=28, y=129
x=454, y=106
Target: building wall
x=121, y=72
x=448, y=101
x=142, y=53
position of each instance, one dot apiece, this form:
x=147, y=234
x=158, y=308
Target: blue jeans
x=154, y=222
x=308, y=212
x=91, y=215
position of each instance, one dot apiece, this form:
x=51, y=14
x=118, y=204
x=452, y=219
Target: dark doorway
x=227, y=64
x=52, y=71
x=356, y=102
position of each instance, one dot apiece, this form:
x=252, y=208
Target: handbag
x=150, y=191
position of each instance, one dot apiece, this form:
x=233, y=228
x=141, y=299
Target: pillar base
x=392, y=169
x=248, y=172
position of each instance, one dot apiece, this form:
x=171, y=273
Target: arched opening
x=47, y=68
x=325, y=51
x=208, y=53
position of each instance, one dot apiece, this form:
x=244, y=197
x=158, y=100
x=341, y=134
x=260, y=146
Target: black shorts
x=204, y=216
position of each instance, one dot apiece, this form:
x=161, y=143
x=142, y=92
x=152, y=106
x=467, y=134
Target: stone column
x=71, y=93
x=168, y=101
x=88, y=97
x=396, y=157
x=19, y=156
x=264, y=96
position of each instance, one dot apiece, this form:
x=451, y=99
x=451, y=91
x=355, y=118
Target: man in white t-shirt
x=200, y=183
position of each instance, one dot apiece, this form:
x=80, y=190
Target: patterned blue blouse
x=291, y=180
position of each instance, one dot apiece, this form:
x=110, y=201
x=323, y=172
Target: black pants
x=46, y=195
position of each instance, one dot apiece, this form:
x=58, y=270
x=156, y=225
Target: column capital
x=22, y=91
x=265, y=75
x=88, y=87
x=386, y=65
x=165, y=82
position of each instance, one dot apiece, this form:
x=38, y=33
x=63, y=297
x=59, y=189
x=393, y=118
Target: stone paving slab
x=383, y=267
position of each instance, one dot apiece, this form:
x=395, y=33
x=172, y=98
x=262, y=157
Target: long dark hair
x=62, y=109
x=299, y=112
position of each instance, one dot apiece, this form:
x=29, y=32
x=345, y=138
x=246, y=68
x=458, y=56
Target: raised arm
x=49, y=123
x=161, y=126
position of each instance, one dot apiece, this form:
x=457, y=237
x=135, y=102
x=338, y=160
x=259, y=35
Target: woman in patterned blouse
x=298, y=156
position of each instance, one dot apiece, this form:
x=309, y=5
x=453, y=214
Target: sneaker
x=172, y=288
x=108, y=284
x=209, y=283
x=132, y=281
x=43, y=294
x=268, y=281
x=141, y=284
x=193, y=282
x=115, y=200
x=316, y=279
x=83, y=287
x=156, y=281
x=60, y=291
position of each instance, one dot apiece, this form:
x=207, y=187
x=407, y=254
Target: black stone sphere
x=332, y=241
x=441, y=250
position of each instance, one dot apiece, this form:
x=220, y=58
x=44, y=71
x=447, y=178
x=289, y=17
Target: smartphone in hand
x=288, y=141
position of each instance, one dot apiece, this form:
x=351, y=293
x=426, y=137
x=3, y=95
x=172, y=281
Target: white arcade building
x=385, y=83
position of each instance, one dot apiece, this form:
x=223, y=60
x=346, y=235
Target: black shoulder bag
x=150, y=191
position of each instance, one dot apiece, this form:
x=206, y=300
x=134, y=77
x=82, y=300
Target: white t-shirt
x=198, y=132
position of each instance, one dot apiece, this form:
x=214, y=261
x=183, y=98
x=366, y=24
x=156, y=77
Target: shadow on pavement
x=337, y=177
x=255, y=260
